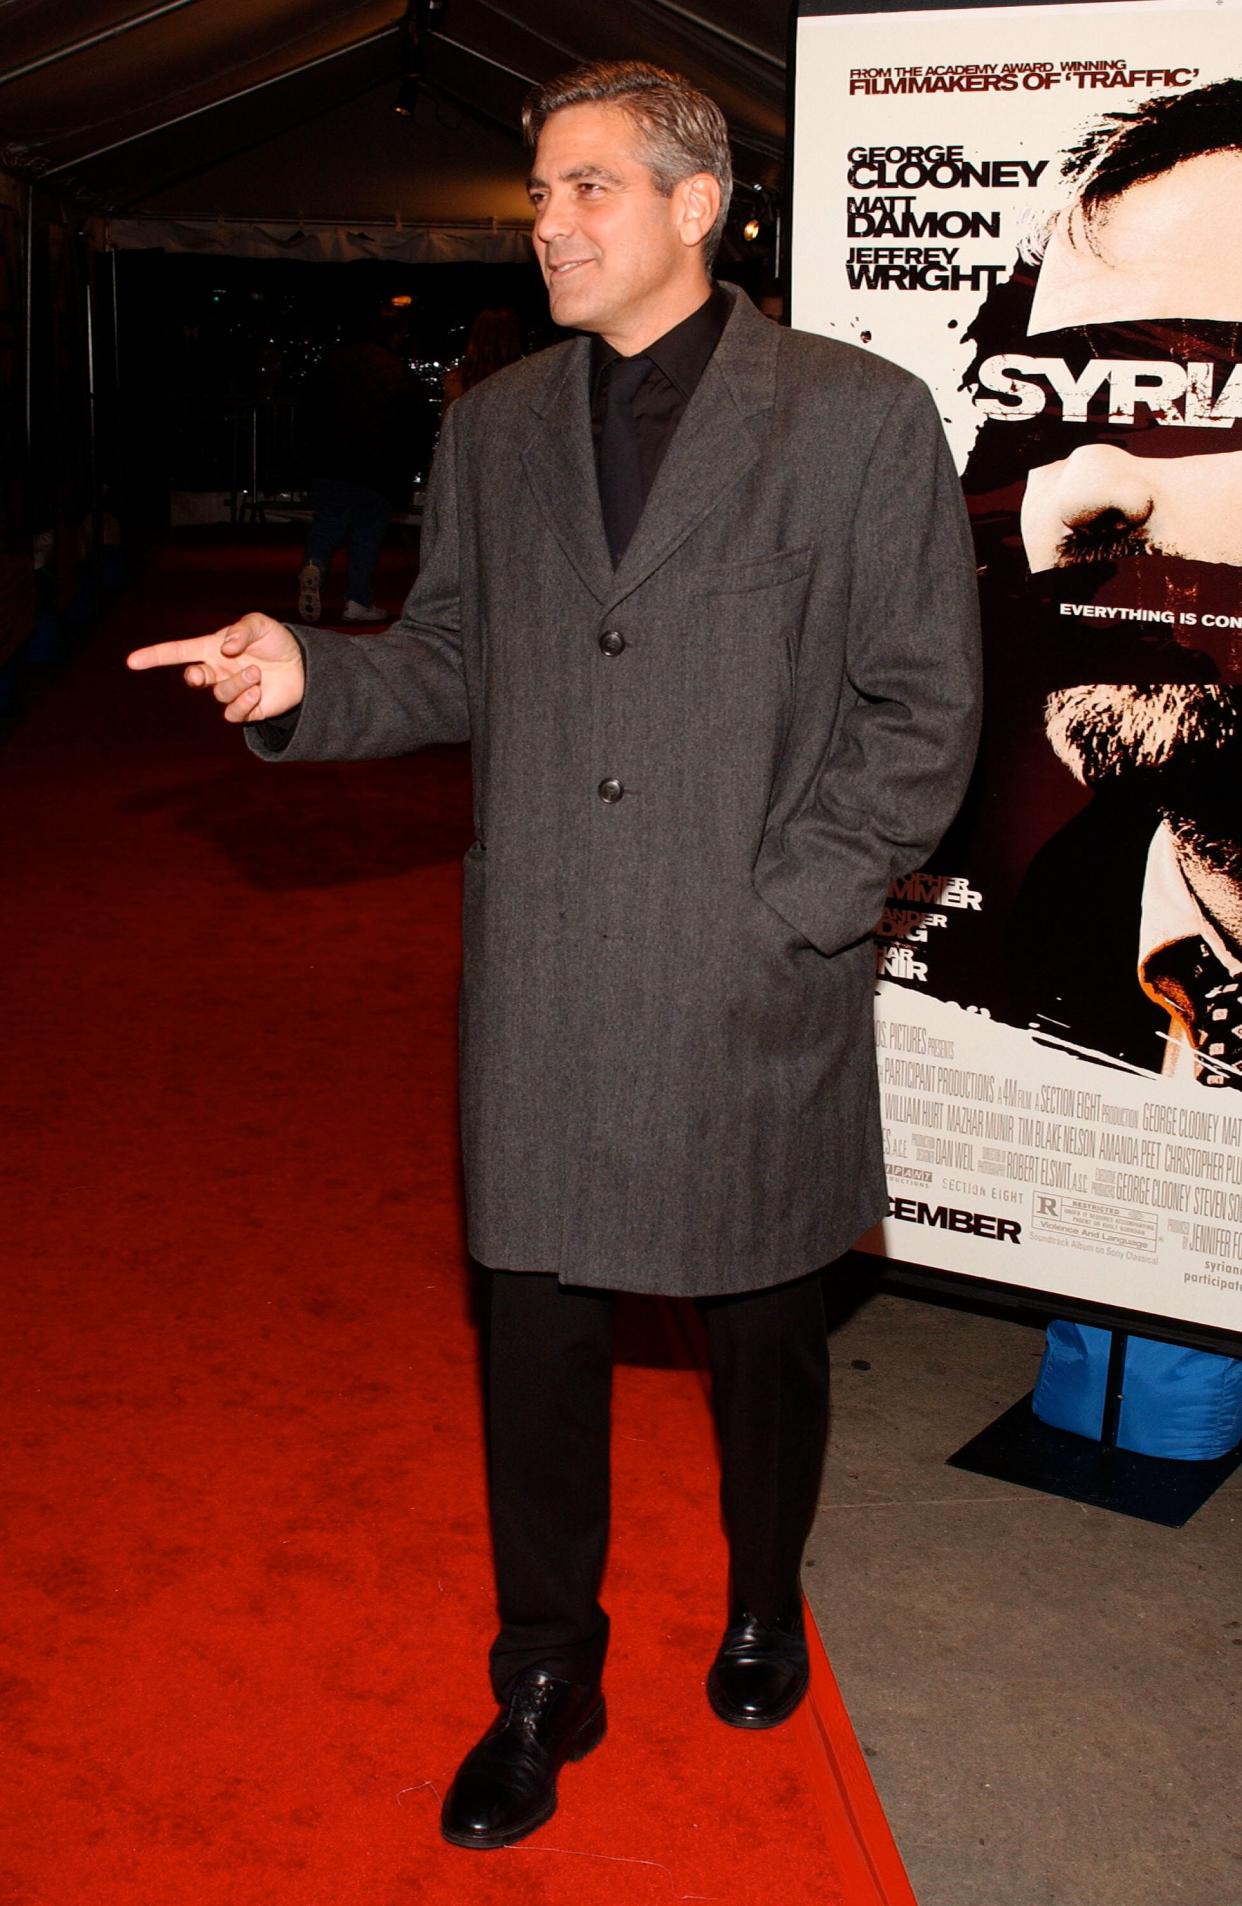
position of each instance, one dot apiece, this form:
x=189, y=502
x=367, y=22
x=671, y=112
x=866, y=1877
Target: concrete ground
x=1047, y=1693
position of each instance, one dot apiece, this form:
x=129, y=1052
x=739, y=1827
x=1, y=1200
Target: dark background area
x=212, y=347
x=207, y=342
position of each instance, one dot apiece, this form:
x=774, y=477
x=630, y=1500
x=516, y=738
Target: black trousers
x=549, y=1393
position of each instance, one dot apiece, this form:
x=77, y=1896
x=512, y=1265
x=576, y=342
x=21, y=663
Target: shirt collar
x=1170, y=917
x=1170, y=912
x=683, y=353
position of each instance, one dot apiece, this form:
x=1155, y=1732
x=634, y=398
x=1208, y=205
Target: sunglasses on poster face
x=1114, y=604
x=1155, y=388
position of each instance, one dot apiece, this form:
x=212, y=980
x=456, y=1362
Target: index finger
x=166, y=654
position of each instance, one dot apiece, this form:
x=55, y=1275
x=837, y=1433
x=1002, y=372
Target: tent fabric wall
x=318, y=243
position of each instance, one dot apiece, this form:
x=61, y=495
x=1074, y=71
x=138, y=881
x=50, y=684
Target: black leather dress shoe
x=506, y=1786
x=760, y=1672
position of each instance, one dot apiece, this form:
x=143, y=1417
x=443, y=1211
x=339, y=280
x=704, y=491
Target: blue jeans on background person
x=343, y=510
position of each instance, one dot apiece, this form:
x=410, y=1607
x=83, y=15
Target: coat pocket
x=756, y=572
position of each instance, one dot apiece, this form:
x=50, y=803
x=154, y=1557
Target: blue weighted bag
x=1185, y=1404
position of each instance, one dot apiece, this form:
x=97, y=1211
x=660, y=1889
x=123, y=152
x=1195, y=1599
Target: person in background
x=363, y=427
x=495, y=340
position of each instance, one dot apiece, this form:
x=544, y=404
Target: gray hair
x=682, y=130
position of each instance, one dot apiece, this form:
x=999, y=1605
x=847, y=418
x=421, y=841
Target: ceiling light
x=407, y=98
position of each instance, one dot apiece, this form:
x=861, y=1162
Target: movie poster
x=1039, y=211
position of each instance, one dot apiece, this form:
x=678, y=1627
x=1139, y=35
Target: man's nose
x=1102, y=480
x=552, y=219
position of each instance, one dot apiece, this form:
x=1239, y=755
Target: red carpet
x=248, y=1589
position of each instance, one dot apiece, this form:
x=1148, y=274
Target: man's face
x=1168, y=247
x=1161, y=250
x=609, y=244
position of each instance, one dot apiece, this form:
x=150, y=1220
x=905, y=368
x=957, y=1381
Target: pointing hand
x=253, y=667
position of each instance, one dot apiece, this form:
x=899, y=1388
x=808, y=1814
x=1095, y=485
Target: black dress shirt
x=678, y=361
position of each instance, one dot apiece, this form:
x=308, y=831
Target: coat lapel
x=560, y=465
x=712, y=448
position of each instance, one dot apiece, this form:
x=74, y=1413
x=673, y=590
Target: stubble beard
x=1179, y=745
x=569, y=301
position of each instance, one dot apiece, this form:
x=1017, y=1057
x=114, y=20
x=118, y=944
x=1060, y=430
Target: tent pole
x=120, y=472
x=499, y=66
x=116, y=321
x=92, y=412
x=93, y=39
x=28, y=339
x=714, y=29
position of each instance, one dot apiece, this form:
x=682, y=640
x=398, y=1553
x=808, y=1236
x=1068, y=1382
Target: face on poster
x=1039, y=212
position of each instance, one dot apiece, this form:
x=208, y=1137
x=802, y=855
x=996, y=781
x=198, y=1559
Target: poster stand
x=1021, y=1449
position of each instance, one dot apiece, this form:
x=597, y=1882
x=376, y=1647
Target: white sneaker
x=310, y=575
x=364, y=612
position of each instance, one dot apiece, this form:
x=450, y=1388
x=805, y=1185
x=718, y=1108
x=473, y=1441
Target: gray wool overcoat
x=694, y=778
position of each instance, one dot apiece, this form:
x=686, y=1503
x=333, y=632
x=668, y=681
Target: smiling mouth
x=563, y=268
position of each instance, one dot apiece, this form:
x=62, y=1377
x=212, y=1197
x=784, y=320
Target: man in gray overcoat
x=700, y=593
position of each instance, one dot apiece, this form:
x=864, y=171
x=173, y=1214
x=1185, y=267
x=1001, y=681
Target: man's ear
x=700, y=203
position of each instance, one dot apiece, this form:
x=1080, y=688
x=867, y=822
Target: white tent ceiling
x=268, y=124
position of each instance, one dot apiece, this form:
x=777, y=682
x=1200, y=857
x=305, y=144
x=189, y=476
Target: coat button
x=612, y=641
x=610, y=791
